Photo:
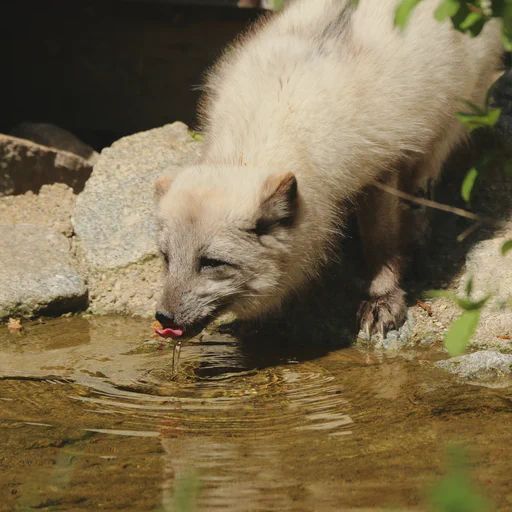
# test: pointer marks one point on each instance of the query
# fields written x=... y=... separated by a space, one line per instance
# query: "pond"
x=94 y=416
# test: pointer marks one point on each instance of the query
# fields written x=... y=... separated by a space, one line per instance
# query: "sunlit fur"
x=337 y=96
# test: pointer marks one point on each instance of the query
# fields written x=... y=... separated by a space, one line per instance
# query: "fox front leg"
x=380 y=223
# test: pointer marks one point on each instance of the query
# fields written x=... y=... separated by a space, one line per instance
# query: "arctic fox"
x=313 y=106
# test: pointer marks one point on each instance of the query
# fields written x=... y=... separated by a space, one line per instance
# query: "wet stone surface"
x=485 y=366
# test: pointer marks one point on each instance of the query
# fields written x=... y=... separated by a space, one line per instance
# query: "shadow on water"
x=92 y=416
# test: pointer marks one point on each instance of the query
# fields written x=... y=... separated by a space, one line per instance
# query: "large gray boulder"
x=36 y=275
x=114 y=218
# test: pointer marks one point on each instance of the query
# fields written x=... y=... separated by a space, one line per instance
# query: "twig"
x=439 y=206
x=468 y=231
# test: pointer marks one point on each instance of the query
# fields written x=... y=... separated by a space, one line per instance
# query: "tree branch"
x=439 y=206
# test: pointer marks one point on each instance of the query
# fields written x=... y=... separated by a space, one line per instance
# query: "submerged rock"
x=114 y=218
x=36 y=275
x=485 y=365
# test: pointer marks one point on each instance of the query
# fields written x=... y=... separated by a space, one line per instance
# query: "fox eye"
x=262 y=228
x=205 y=262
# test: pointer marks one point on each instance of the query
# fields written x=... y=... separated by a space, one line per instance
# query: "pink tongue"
x=169 y=333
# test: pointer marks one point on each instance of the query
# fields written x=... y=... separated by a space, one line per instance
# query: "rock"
x=114 y=218
x=492 y=274
x=36 y=275
x=52 y=207
x=56 y=137
x=26 y=166
x=483 y=366
x=479 y=257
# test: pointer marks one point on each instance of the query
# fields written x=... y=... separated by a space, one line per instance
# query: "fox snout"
x=169 y=328
x=166 y=319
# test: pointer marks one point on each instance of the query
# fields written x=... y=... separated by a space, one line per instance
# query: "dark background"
x=107 y=68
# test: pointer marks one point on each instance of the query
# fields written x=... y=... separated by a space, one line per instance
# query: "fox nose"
x=165 y=318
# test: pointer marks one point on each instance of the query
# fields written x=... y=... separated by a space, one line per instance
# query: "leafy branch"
x=469 y=17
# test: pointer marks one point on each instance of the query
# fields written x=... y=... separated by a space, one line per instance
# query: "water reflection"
x=88 y=406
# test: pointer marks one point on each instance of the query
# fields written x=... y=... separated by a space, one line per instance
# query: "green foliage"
x=186 y=493
x=455 y=493
x=457 y=338
x=468 y=184
x=277 y=5
x=403 y=11
x=503 y=9
x=469 y=286
x=507 y=246
x=479 y=118
x=460 y=332
x=468 y=16
x=195 y=135
x=439 y=294
x=447 y=9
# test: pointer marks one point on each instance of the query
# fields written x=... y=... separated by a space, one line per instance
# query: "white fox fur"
x=339 y=97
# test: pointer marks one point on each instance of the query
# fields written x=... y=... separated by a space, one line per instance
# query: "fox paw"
x=378 y=315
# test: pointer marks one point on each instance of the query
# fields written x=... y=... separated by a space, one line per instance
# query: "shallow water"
x=93 y=417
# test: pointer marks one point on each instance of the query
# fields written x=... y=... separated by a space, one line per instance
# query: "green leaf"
x=433 y=294
x=473 y=121
x=459 y=17
x=472 y=18
x=474 y=23
x=187 y=488
x=456 y=492
x=403 y=11
x=469 y=286
x=468 y=183
x=469 y=305
x=460 y=332
x=447 y=9
x=195 y=135
x=507 y=246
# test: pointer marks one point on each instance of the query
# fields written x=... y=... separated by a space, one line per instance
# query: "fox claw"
x=378 y=315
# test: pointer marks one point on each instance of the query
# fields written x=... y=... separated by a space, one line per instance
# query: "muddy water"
x=92 y=418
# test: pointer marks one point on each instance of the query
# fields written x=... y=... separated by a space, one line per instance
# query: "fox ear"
x=162 y=185
x=279 y=199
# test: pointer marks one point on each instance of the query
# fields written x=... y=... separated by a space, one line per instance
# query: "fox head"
x=226 y=239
